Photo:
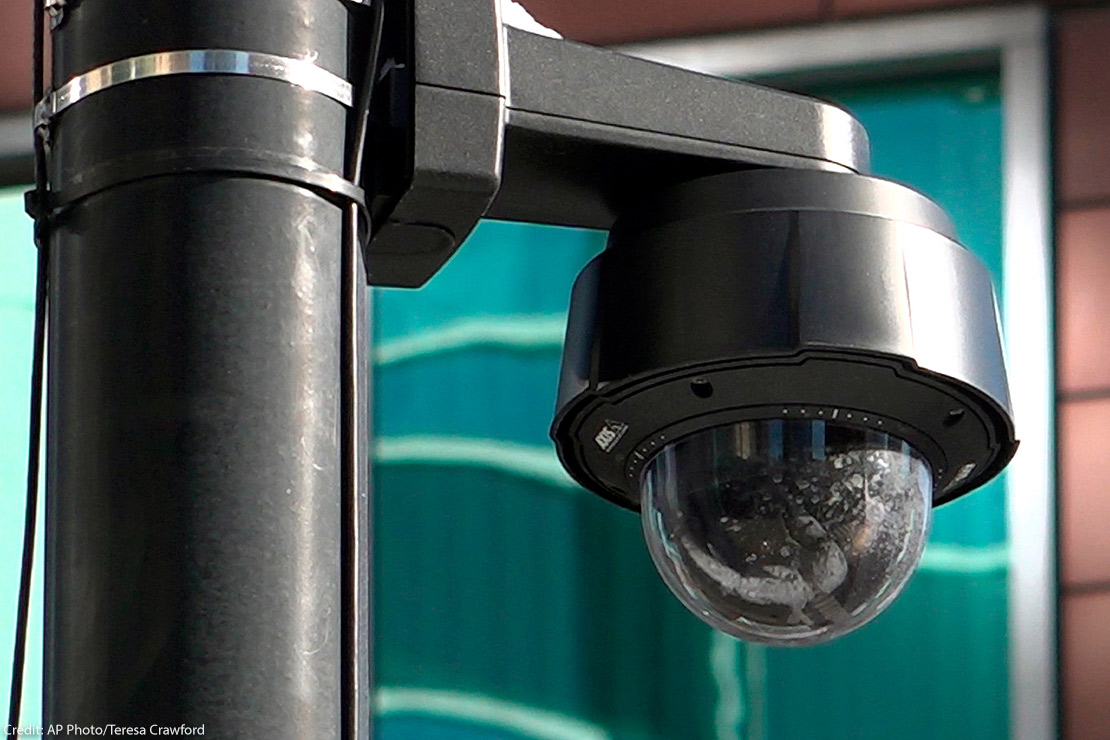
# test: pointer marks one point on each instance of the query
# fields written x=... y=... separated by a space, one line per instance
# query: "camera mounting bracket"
x=486 y=120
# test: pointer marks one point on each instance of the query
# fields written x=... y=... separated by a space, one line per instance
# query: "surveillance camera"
x=785 y=371
x=783 y=368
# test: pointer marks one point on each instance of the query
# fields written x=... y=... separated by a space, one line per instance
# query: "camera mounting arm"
x=498 y=122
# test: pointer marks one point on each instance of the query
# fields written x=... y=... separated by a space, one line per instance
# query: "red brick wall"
x=15 y=55
x=616 y=21
x=1083 y=330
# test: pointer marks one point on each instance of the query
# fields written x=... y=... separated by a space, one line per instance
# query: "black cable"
x=355 y=672
x=362 y=127
x=34 y=435
x=31 y=512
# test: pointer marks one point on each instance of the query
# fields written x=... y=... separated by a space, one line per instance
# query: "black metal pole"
x=193 y=524
x=194 y=521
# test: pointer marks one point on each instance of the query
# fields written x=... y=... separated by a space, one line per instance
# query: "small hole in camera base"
x=954 y=417
x=701 y=388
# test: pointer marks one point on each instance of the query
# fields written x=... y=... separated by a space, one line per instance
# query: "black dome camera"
x=785 y=371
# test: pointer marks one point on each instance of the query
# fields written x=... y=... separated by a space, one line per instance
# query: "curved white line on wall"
x=525 y=721
x=527 y=461
x=724 y=662
x=968 y=559
x=520 y=332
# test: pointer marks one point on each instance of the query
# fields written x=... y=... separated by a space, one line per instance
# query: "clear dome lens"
x=787 y=532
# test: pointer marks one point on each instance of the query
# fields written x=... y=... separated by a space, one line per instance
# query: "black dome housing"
x=783 y=294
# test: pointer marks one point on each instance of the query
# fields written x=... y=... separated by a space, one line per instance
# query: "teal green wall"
x=17 y=302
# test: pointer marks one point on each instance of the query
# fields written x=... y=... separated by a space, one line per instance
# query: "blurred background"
x=511 y=604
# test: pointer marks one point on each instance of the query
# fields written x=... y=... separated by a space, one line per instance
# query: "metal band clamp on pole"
x=300 y=72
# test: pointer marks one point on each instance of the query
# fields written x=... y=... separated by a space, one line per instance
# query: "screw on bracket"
x=44 y=116
x=56 y=10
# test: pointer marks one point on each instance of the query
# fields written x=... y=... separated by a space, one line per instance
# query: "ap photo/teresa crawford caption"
x=69 y=731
